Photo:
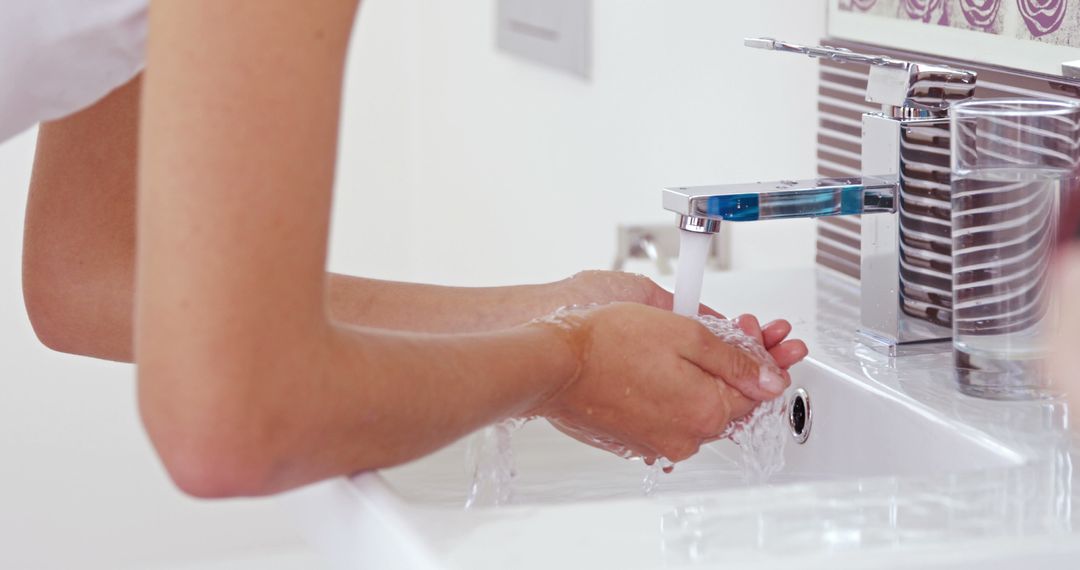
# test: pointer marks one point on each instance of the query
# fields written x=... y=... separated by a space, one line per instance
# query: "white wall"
x=458 y=164
x=466 y=165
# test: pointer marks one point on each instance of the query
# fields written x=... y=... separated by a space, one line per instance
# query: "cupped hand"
x=653 y=384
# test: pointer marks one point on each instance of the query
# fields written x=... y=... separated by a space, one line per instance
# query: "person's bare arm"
x=437 y=309
x=79 y=238
x=246 y=386
x=79 y=253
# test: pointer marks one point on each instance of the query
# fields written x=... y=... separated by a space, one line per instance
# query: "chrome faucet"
x=906 y=252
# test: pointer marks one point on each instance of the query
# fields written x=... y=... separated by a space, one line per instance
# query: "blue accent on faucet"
x=736 y=208
x=802 y=203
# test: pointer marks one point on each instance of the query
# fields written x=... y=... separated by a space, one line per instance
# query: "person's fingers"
x=724 y=433
x=607 y=444
x=740 y=406
x=775 y=332
x=737 y=368
x=650 y=461
x=750 y=325
x=789 y=352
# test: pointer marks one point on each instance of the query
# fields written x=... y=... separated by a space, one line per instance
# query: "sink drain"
x=799 y=415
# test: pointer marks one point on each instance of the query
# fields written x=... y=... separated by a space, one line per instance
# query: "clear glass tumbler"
x=1014 y=163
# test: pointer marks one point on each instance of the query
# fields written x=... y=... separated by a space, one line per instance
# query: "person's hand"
x=603 y=287
x=785 y=354
x=773 y=336
x=654 y=384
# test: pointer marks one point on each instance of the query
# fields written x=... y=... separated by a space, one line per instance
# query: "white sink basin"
x=858 y=431
x=899 y=471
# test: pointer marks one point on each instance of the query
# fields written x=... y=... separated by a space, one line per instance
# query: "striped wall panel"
x=841 y=104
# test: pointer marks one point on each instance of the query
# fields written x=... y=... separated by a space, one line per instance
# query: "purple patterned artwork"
x=1042 y=16
x=1049 y=21
x=981 y=14
x=860 y=5
x=921 y=9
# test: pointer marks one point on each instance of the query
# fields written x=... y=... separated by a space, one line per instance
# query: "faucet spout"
x=782 y=199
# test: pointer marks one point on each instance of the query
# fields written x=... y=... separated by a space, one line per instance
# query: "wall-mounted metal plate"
x=551 y=32
x=659 y=244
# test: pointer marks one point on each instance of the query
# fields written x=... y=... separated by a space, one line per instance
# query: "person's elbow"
x=203 y=472
x=48 y=308
x=47 y=319
x=85 y=317
x=213 y=442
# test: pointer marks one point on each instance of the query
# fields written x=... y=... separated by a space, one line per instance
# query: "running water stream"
x=693 y=252
x=760 y=435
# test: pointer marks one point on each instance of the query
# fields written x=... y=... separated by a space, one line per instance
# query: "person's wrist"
x=560 y=336
x=569 y=292
x=603 y=287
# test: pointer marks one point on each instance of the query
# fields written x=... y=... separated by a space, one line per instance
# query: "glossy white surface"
x=900 y=471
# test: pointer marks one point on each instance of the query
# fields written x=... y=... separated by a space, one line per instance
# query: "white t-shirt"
x=60 y=56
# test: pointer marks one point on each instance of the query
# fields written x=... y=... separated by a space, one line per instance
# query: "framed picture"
x=1032 y=35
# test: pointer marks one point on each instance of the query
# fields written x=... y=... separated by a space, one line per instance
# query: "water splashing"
x=762 y=434
x=491 y=459
x=651 y=480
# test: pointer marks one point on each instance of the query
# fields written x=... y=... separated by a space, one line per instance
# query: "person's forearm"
x=438 y=309
x=79 y=251
x=94 y=317
x=347 y=400
x=79 y=236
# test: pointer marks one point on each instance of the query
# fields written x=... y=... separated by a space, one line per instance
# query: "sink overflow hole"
x=799 y=415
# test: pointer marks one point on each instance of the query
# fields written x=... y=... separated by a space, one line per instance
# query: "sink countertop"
x=987 y=519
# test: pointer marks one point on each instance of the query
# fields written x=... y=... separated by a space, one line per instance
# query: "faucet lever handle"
x=839 y=55
x=905 y=89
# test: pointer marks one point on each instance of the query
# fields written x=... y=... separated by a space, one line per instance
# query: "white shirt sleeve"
x=60 y=56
